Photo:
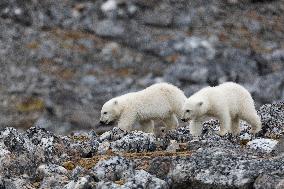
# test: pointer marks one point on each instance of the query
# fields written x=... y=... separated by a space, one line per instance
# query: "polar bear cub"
x=161 y=101
x=228 y=102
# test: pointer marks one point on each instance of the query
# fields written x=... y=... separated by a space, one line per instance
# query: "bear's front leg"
x=196 y=127
x=171 y=122
x=126 y=122
x=225 y=123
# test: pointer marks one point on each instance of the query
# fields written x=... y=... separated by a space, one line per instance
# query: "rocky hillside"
x=61 y=60
x=37 y=158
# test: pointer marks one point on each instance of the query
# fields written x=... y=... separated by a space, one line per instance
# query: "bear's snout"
x=102 y=122
x=184 y=120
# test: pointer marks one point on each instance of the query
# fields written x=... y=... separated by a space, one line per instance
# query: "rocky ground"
x=38 y=158
x=61 y=60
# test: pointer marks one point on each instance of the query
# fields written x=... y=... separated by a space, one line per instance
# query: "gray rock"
x=136 y=141
x=279 y=148
x=77 y=172
x=15 y=142
x=107 y=185
x=253 y=25
x=103 y=147
x=50 y=170
x=272 y=117
x=112 y=135
x=181 y=134
x=173 y=146
x=262 y=144
x=190 y=74
x=220 y=168
x=55 y=182
x=140 y=179
x=277 y=55
x=109 y=28
x=16 y=11
x=89 y=80
x=145 y=180
x=83 y=148
x=269 y=87
x=199 y=49
x=81 y=183
x=51 y=176
x=47 y=145
x=113 y=169
x=160 y=167
x=16 y=183
x=162 y=15
x=238 y=66
x=269 y=181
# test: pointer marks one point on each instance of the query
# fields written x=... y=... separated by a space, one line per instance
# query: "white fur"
x=161 y=101
x=228 y=102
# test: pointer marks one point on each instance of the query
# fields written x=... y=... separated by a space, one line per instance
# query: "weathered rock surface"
x=269 y=181
x=38 y=158
x=135 y=142
x=220 y=168
x=272 y=118
x=114 y=169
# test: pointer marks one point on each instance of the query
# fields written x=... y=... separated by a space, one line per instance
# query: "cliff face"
x=61 y=60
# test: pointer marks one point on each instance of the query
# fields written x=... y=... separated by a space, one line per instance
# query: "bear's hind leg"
x=254 y=120
x=236 y=126
x=147 y=126
x=171 y=122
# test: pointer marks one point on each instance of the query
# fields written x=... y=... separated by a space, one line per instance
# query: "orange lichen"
x=119 y=182
x=144 y=157
x=172 y=58
x=69 y=165
x=33 y=45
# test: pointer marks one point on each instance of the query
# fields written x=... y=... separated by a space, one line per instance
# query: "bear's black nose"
x=102 y=122
x=183 y=120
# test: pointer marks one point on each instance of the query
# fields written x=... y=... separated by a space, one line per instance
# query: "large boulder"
x=220 y=168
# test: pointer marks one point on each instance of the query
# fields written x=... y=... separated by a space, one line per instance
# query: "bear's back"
x=233 y=89
x=234 y=94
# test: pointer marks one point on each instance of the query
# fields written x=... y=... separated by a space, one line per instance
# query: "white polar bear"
x=161 y=101
x=228 y=102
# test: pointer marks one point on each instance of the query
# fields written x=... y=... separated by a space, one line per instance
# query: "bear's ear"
x=200 y=103
x=115 y=102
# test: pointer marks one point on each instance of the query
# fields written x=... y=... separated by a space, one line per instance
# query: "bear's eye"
x=105 y=113
x=187 y=111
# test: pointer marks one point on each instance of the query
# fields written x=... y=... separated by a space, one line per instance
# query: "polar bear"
x=229 y=103
x=161 y=101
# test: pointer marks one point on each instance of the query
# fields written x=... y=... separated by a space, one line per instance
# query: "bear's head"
x=193 y=108
x=110 y=112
